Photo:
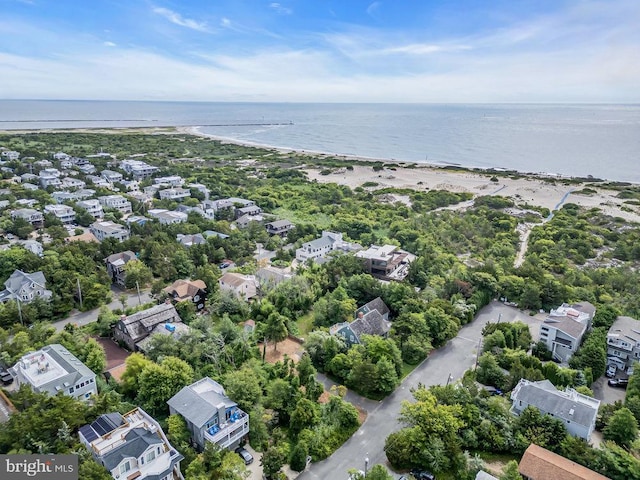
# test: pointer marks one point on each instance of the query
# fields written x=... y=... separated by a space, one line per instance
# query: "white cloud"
x=422 y=49
x=109 y=44
x=280 y=9
x=178 y=19
x=373 y=8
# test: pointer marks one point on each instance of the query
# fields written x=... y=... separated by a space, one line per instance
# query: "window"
x=71 y=390
x=150 y=455
x=124 y=467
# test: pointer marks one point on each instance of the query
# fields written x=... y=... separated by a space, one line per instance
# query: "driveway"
x=453 y=359
x=83 y=318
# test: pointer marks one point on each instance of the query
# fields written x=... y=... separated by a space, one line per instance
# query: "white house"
x=54 y=369
x=623 y=343
x=63 y=213
x=167 y=217
x=139 y=169
x=563 y=329
x=131 y=446
x=103 y=230
x=92 y=206
x=111 y=176
x=34 y=217
x=116 y=201
x=172 y=181
x=318 y=248
x=243 y=286
x=174 y=193
x=386 y=262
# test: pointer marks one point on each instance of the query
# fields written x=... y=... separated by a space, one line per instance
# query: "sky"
x=426 y=51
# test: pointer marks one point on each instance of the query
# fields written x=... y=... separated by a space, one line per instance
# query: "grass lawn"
x=406 y=369
x=305 y=324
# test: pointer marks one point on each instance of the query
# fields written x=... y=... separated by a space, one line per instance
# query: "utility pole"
x=138 y=288
x=79 y=292
x=478 y=351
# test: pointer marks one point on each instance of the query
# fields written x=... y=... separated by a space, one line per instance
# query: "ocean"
x=602 y=141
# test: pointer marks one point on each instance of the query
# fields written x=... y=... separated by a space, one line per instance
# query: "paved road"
x=458 y=355
x=83 y=318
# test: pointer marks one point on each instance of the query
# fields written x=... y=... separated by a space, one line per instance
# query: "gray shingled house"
x=25 y=287
x=371 y=319
x=134 y=328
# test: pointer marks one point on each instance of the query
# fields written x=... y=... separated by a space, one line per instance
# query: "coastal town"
x=311 y=316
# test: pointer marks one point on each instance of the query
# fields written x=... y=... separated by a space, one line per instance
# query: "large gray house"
x=371 y=319
x=623 y=343
x=133 y=329
x=563 y=329
x=25 y=287
x=578 y=412
x=211 y=416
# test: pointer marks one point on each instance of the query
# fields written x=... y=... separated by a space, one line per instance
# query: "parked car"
x=618 y=382
x=422 y=475
x=611 y=371
x=245 y=455
x=6 y=378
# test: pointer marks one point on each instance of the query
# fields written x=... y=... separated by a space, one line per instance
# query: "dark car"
x=618 y=382
x=246 y=456
x=422 y=475
x=6 y=378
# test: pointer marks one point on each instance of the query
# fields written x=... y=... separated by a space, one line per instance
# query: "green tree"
x=305 y=414
x=276 y=329
x=272 y=461
x=158 y=383
x=137 y=273
x=94 y=356
x=134 y=366
x=622 y=428
x=298 y=459
x=244 y=386
x=378 y=472
x=510 y=471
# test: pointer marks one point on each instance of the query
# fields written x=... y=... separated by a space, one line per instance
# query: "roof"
x=482 y=475
x=371 y=323
x=627 y=327
x=198 y=402
x=375 y=304
x=137 y=441
x=322 y=242
x=85 y=237
x=539 y=463
x=118 y=259
x=279 y=224
x=19 y=279
x=568 y=405
x=234 y=279
x=567 y=325
x=184 y=289
x=139 y=324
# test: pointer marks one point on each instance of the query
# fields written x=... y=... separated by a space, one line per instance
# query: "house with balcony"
x=115 y=266
x=242 y=286
x=29 y=178
x=167 y=217
x=250 y=210
x=386 y=262
x=623 y=344
x=111 y=176
x=138 y=169
x=54 y=369
x=69 y=182
x=576 y=411
x=135 y=328
x=87 y=168
x=50 y=177
x=211 y=416
x=34 y=217
x=172 y=181
x=279 y=227
x=117 y=202
x=564 y=327
x=25 y=287
x=98 y=181
x=174 y=194
x=33 y=246
x=63 y=213
x=105 y=229
x=10 y=155
x=61 y=156
x=131 y=446
x=92 y=206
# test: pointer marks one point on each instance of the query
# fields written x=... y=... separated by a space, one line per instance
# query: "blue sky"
x=322 y=50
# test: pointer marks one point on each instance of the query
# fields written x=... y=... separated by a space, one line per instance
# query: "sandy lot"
x=287 y=347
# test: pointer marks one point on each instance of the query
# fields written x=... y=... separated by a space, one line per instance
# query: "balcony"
x=226 y=434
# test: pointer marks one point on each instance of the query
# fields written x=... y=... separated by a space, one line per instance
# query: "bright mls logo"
x=39 y=467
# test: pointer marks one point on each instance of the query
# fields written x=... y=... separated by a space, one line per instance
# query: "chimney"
x=360 y=315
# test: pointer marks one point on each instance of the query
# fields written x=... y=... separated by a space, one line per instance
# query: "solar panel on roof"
x=88 y=433
x=102 y=425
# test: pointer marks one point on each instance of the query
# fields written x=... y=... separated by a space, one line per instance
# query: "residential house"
x=105 y=229
x=86 y=237
x=115 y=266
x=174 y=193
x=211 y=416
x=29 y=178
x=279 y=227
x=272 y=276
x=61 y=156
x=63 y=213
x=369 y=321
x=538 y=463
x=251 y=210
x=131 y=446
x=138 y=169
x=190 y=240
x=84 y=193
x=201 y=188
x=172 y=181
x=151 y=190
x=116 y=201
x=111 y=176
x=141 y=197
x=50 y=177
x=212 y=233
x=30 y=187
x=318 y=248
x=188 y=290
x=623 y=343
x=205 y=213
x=245 y=220
x=220 y=204
x=563 y=329
x=92 y=206
x=69 y=182
x=66 y=164
x=26 y=202
x=243 y=286
x=44 y=163
x=34 y=217
x=33 y=246
x=98 y=181
x=482 y=475
x=576 y=411
x=386 y=262
x=131 y=185
x=167 y=217
x=25 y=287
x=10 y=155
x=53 y=369
x=131 y=329
x=136 y=219
x=87 y=168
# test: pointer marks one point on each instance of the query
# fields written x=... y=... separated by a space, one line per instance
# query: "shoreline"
x=524 y=188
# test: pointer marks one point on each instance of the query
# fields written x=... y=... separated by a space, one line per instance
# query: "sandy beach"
x=525 y=190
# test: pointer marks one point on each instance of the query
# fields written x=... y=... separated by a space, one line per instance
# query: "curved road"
x=458 y=355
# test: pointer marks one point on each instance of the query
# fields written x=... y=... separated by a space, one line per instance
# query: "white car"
x=611 y=371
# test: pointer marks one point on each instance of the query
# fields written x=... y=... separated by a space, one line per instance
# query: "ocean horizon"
x=578 y=140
